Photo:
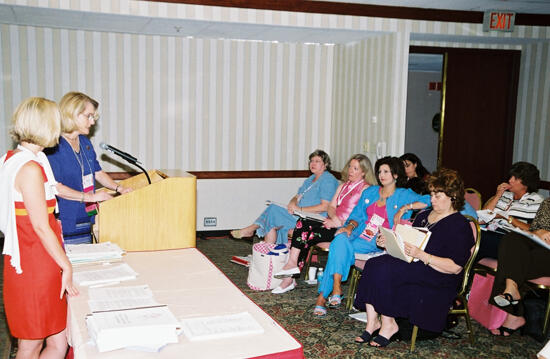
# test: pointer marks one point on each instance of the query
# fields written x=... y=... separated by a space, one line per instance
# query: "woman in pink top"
x=356 y=176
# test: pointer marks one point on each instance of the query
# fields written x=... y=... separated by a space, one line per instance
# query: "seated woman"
x=356 y=175
x=313 y=196
x=417 y=174
x=381 y=205
x=520 y=259
x=518 y=199
x=423 y=290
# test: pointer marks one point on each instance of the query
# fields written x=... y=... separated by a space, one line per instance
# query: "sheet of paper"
x=141 y=291
x=98 y=276
x=223 y=326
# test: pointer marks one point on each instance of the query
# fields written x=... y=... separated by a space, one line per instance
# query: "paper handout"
x=100 y=276
x=220 y=326
x=417 y=236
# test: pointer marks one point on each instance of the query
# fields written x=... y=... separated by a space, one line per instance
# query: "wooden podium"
x=160 y=215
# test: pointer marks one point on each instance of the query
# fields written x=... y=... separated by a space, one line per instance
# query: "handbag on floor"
x=488 y=315
x=267 y=259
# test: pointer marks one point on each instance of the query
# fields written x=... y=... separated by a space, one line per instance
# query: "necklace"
x=80 y=157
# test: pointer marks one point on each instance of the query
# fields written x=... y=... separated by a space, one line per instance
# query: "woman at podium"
x=37 y=273
x=75 y=166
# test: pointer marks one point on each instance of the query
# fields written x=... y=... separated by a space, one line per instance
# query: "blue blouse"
x=66 y=169
x=401 y=197
x=314 y=192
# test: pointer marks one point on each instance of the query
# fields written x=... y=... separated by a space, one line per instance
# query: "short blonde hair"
x=71 y=105
x=38 y=121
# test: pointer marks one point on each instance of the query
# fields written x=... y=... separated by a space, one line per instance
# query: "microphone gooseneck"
x=126 y=156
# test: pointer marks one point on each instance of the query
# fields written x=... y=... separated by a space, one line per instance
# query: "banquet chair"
x=463 y=289
x=473 y=197
x=315 y=250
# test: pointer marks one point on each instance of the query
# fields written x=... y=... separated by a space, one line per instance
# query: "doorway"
x=479 y=95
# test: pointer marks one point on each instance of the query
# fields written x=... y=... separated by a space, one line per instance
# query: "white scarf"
x=8 y=172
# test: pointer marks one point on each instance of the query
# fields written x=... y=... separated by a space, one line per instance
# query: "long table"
x=191 y=286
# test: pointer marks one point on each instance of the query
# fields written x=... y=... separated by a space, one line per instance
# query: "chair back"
x=473 y=197
x=467 y=268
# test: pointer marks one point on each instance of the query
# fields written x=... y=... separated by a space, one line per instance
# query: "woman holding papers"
x=76 y=169
x=422 y=290
x=37 y=272
x=381 y=205
x=516 y=202
x=356 y=176
x=313 y=196
x=520 y=259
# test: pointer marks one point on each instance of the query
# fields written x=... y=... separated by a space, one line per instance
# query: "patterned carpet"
x=332 y=336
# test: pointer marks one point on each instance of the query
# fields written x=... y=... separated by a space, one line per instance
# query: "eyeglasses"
x=91 y=116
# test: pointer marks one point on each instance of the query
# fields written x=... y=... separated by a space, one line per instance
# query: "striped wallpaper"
x=196 y=104
x=210 y=104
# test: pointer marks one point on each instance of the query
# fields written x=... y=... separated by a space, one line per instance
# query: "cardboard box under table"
x=191 y=286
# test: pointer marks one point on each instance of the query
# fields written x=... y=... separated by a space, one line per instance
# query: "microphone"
x=128 y=157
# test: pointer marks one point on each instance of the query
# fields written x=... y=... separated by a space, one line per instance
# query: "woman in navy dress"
x=76 y=169
x=423 y=290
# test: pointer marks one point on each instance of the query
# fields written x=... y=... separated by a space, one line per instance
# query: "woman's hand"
x=501 y=188
x=99 y=196
x=399 y=214
x=332 y=223
x=291 y=207
x=543 y=234
x=347 y=229
x=120 y=189
x=67 y=283
x=413 y=251
x=381 y=240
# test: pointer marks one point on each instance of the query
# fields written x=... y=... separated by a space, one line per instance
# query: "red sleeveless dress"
x=31 y=299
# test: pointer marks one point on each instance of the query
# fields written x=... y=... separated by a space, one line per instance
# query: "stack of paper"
x=90 y=253
x=144 y=328
x=103 y=276
x=221 y=326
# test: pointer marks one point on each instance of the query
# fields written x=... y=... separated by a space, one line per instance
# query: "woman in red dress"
x=37 y=273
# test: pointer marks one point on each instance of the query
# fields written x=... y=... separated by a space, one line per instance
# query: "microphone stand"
x=143 y=169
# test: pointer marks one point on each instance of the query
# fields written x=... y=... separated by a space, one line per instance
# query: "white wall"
x=422 y=105
x=236 y=203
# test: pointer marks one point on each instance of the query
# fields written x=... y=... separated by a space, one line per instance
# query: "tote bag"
x=267 y=259
x=488 y=315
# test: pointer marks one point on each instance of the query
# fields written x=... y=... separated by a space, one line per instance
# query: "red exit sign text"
x=499 y=20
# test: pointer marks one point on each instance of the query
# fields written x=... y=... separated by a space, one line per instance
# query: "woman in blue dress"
x=381 y=205
x=421 y=291
x=75 y=167
x=313 y=196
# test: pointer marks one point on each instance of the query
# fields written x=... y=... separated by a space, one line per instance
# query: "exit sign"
x=499 y=20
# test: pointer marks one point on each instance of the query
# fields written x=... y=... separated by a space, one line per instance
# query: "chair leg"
x=353 y=279
x=546 y=316
x=413 y=338
x=469 y=324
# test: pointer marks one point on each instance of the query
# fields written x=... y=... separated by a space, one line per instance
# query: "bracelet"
x=82 y=197
x=429 y=259
x=510 y=219
x=116 y=189
x=353 y=225
x=410 y=206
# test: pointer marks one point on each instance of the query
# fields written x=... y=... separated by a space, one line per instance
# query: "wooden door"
x=480 y=95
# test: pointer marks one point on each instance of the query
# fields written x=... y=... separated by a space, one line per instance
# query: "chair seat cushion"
x=489 y=262
x=541 y=281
